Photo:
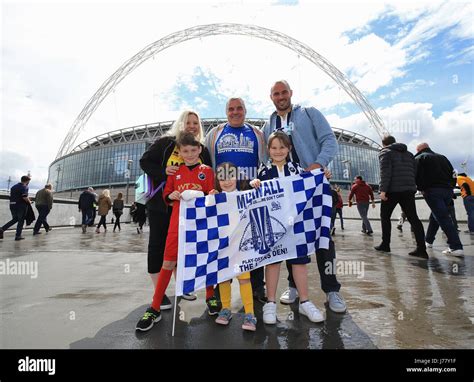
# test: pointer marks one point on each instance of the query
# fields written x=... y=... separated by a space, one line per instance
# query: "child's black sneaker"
x=214 y=306
x=148 y=320
x=166 y=303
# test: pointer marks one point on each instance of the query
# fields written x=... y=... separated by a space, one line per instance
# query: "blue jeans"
x=43 y=212
x=87 y=216
x=438 y=199
x=18 y=212
x=469 y=206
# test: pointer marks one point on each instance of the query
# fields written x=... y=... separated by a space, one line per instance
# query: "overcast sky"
x=412 y=60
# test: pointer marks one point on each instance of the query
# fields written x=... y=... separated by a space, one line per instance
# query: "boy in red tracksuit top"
x=363 y=194
x=191 y=176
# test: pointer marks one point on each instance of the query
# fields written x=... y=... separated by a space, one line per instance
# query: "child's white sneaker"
x=269 y=313
x=309 y=310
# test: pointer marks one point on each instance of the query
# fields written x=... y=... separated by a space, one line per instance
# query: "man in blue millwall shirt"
x=314 y=146
x=243 y=145
x=236 y=141
x=19 y=203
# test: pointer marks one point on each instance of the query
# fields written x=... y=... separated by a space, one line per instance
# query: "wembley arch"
x=201 y=31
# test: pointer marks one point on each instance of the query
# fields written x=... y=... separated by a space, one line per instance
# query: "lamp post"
x=127 y=176
x=111 y=163
x=57 y=179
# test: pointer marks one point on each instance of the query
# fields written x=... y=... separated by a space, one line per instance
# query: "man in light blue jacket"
x=314 y=146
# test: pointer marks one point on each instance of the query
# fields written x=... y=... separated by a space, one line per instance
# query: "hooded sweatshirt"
x=362 y=191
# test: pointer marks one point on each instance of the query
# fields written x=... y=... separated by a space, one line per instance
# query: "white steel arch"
x=212 y=30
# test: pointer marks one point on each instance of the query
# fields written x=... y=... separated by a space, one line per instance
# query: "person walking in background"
x=398 y=186
x=452 y=213
x=133 y=211
x=94 y=209
x=434 y=178
x=105 y=204
x=335 y=200
x=401 y=220
x=19 y=203
x=44 y=204
x=86 y=207
x=140 y=216
x=466 y=185
x=117 y=209
x=339 y=207
x=363 y=194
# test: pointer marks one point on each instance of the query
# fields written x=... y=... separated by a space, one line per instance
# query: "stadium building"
x=111 y=160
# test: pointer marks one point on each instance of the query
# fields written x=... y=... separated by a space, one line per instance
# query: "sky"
x=413 y=62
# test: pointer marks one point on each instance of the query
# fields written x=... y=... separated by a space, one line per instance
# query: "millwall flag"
x=224 y=235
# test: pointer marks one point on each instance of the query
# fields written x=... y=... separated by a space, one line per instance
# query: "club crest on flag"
x=262 y=232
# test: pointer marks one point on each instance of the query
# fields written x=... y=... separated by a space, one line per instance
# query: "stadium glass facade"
x=105 y=161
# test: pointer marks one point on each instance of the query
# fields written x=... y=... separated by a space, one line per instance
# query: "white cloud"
x=465 y=56
x=407 y=86
x=450 y=134
x=437 y=17
x=465 y=103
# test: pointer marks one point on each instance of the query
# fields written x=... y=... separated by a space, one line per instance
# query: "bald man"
x=314 y=145
x=435 y=178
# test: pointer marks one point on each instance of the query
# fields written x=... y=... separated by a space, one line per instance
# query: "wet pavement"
x=91 y=289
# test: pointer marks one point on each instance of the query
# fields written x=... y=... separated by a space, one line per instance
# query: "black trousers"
x=257 y=279
x=102 y=221
x=117 y=219
x=406 y=200
x=329 y=281
x=158 y=222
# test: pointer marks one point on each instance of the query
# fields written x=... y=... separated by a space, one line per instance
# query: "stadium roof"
x=151 y=132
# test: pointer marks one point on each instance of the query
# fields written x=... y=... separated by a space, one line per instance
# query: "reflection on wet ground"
x=91 y=289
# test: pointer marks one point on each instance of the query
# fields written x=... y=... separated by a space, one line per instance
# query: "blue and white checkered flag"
x=224 y=235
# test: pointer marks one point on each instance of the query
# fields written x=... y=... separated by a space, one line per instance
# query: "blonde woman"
x=158 y=162
x=105 y=204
